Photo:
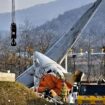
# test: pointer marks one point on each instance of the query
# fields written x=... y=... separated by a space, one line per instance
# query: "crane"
x=13 y=25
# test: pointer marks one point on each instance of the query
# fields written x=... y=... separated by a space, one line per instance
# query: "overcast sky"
x=5 y=5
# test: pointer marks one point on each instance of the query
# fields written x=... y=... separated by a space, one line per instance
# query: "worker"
x=71 y=100
x=75 y=91
x=64 y=92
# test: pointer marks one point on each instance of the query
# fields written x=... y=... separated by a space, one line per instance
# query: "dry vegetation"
x=17 y=94
x=18 y=59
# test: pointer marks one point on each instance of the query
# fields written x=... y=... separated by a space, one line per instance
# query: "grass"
x=12 y=93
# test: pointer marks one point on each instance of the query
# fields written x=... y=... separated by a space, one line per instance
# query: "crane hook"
x=13 y=43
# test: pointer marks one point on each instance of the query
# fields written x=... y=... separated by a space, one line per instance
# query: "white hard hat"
x=75 y=83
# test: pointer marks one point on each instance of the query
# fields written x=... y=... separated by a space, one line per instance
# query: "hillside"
x=17 y=94
x=42 y=13
x=62 y=24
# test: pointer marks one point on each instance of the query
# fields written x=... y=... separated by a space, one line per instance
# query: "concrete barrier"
x=7 y=76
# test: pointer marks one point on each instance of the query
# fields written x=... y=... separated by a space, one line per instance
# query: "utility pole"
x=74 y=57
x=89 y=58
x=104 y=60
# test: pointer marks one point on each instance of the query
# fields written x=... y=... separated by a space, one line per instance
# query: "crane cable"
x=13 y=25
x=13 y=11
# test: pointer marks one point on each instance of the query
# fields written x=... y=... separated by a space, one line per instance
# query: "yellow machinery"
x=91 y=100
x=91 y=94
